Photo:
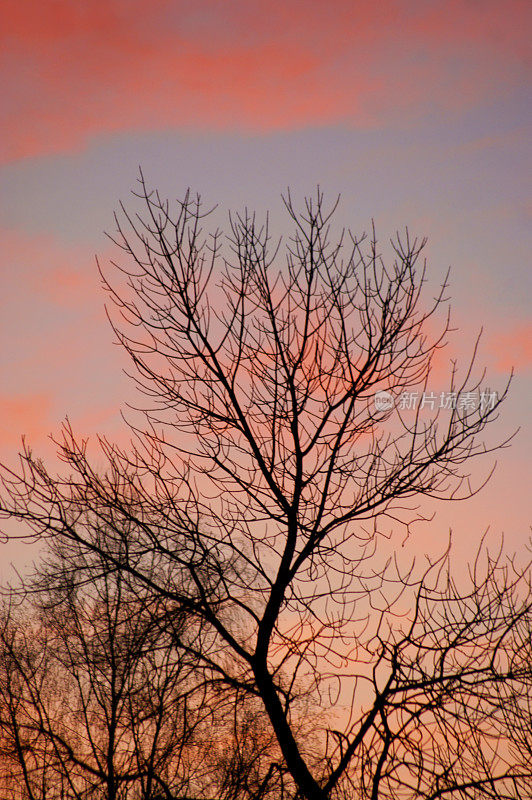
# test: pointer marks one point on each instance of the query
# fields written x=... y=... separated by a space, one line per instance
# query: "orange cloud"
x=513 y=349
x=76 y=70
x=32 y=416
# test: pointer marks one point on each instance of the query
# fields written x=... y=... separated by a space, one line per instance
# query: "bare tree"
x=450 y=687
x=98 y=700
x=260 y=479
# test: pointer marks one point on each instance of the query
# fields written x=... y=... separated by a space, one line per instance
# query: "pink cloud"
x=24 y=415
x=56 y=357
x=40 y=266
x=500 y=27
x=77 y=70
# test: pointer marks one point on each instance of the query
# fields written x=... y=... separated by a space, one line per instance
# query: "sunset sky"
x=415 y=111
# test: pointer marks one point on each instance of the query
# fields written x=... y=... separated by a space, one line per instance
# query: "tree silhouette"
x=259 y=481
x=96 y=699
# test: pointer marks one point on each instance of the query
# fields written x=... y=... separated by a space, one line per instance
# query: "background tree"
x=257 y=486
x=98 y=700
